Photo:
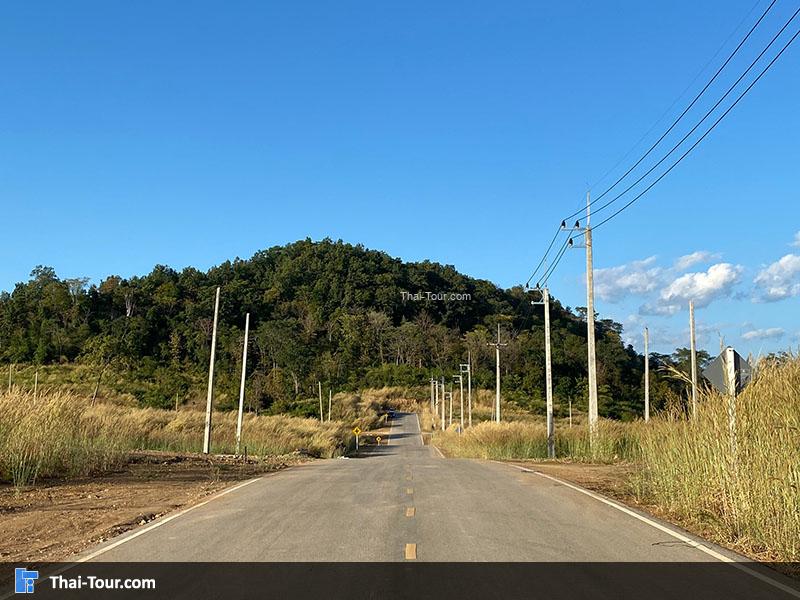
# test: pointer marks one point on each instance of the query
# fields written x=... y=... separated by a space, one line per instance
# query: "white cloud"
x=703 y=287
x=659 y=310
x=779 y=280
x=636 y=278
x=796 y=242
x=772 y=333
x=689 y=260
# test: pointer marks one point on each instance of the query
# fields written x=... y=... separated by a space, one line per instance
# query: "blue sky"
x=187 y=134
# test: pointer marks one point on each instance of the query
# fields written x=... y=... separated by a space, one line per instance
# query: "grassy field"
x=59 y=433
x=745 y=492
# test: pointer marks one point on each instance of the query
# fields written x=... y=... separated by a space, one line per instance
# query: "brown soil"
x=56 y=519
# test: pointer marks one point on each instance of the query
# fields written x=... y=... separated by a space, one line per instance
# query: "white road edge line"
x=419 y=427
x=164 y=521
x=677 y=535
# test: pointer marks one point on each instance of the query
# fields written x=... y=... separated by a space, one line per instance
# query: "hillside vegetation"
x=325 y=311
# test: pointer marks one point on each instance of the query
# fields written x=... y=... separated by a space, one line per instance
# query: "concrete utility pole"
x=468 y=369
x=241 y=385
x=730 y=369
x=646 y=376
x=321 y=414
x=450 y=421
x=497 y=345
x=693 y=345
x=435 y=388
x=551 y=430
x=330 y=403
x=592 y=358
x=432 y=399
x=442 y=402
x=460 y=398
x=210 y=395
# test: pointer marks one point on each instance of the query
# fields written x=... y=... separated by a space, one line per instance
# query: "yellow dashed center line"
x=409 y=491
x=410 y=511
x=411 y=552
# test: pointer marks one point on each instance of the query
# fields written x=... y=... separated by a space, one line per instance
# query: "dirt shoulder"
x=56 y=519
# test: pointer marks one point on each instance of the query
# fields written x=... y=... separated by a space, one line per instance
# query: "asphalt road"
x=404 y=502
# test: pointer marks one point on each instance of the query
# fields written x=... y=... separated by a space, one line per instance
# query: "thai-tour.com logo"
x=24 y=580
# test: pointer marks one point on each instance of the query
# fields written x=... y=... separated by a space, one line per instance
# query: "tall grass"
x=519 y=440
x=745 y=494
x=63 y=434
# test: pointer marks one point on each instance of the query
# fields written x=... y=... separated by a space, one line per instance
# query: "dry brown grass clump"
x=747 y=492
x=63 y=434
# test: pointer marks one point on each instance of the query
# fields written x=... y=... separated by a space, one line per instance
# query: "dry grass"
x=746 y=495
x=519 y=440
x=62 y=434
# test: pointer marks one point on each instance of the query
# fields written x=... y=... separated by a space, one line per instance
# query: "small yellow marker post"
x=411 y=552
x=356 y=431
x=378 y=439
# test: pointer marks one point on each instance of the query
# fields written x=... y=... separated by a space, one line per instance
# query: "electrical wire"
x=693 y=146
x=680 y=117
x=710 y=111
x=672 y=126
x=674 y=102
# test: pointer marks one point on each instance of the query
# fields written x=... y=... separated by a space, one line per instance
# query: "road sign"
x=717 y=374
x=378 y=439
x=357 y=430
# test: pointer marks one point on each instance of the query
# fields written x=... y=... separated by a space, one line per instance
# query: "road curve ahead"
x=404 y=502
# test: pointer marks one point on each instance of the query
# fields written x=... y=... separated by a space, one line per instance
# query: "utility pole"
x=646 y=376
x=467 y=368
x=35 y=385
x=432 y=400
x=497 y=345
x=570 y=414
x=591 y=352
x=551 y=431
x=460 y=398
x=241 y=385
x=693 y=345
x=321 y=414
x=590 y=324
x=443 y=399
x=330 y=403
x=210 y=395
x=730 y=371
x=450 y=421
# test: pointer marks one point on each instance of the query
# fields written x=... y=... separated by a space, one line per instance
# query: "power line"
x=672 y=126
x=677 y=99
x=693 y=146
x=686 y=110
x=710 y=111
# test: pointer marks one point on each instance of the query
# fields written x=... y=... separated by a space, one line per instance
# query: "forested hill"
x=326 y=311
